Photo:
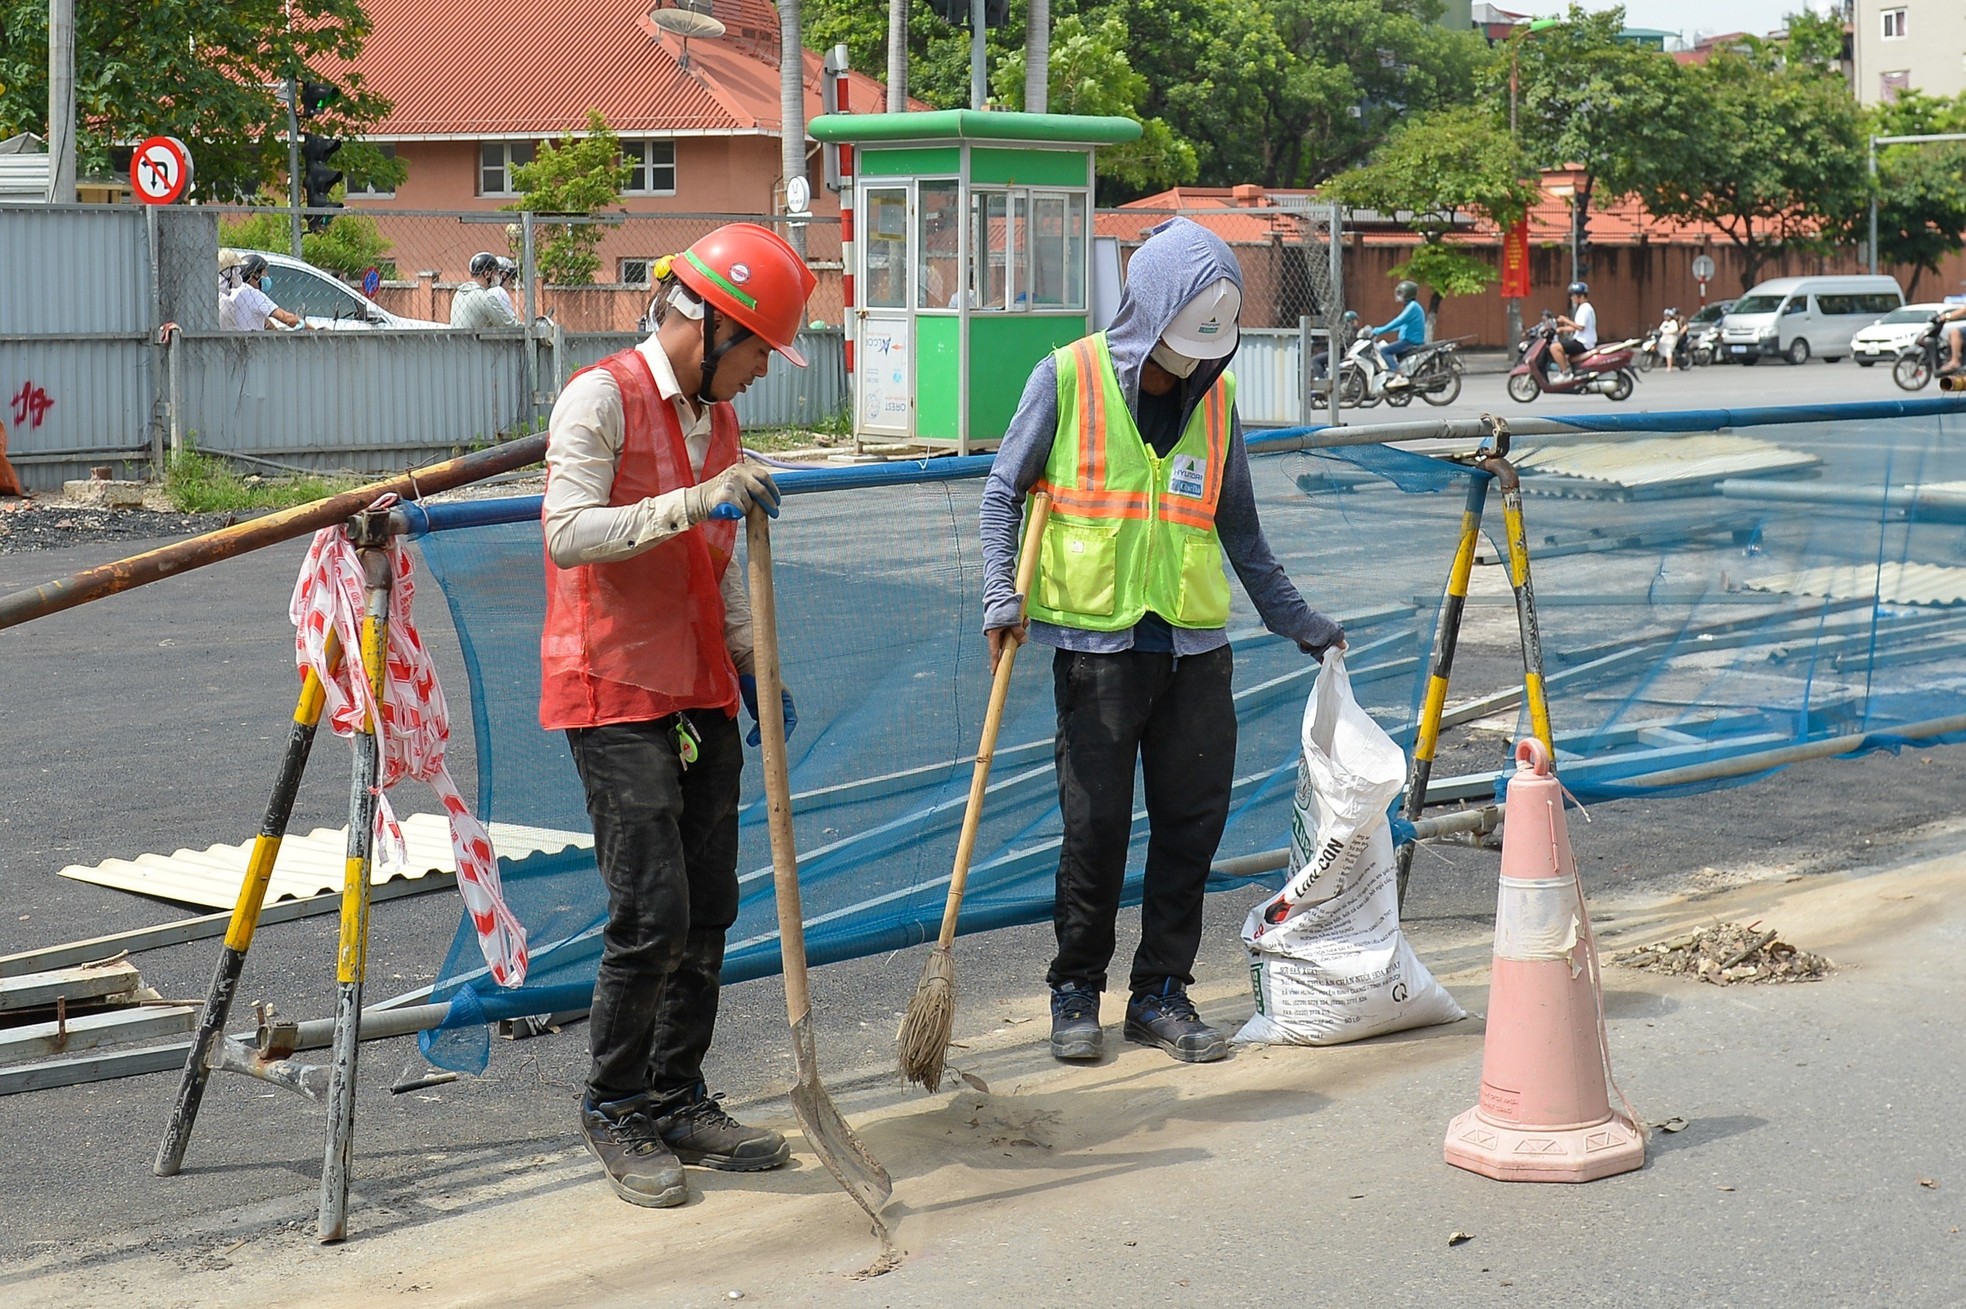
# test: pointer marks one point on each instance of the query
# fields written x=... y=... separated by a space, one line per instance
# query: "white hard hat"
x=1206 y=326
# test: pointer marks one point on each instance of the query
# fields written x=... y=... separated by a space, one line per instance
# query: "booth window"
x=989 y=213
x=1055 y=277
x=887 y=248
x=938 y=276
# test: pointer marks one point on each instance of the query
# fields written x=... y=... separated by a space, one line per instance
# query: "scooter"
x=1918 y=363
x=1604 y=370
x=1649 y=355
x=1364 y=379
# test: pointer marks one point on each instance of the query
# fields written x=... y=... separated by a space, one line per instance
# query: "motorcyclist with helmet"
x=1411 y=325
x=1576 y=332
x=483 y=303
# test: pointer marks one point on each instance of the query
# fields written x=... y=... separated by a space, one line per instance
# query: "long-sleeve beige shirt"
x=584 y=440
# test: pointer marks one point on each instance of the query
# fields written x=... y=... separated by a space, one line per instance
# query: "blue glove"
x=747 y=686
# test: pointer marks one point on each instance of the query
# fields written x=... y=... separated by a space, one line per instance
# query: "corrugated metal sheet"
x=786 y=397
x=83 y=268
x=1663 y=465
x=361 y=400
x=69 y=403
x=1269 y=369
x=24 y=178
x=308 y=864
x=1936 y=585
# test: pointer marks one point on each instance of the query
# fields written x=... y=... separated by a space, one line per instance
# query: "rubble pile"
x=1724 y=953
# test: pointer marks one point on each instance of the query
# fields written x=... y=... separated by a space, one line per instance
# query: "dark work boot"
x=639 y=1166
x=696 y=1127
x=1075 y=1030
x=1166 y=1017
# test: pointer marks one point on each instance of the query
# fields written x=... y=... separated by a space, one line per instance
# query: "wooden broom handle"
x=979 y=781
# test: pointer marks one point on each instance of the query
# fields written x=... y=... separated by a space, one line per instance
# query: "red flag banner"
x=1515 y=262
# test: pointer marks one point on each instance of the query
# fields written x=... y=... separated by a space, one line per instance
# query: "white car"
x=1883 y=339
x=324 y=300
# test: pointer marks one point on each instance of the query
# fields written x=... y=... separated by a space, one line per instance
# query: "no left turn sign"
x=160 y=170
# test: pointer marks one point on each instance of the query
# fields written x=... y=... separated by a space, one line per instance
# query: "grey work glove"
x=1337 y=642
x=731 y=493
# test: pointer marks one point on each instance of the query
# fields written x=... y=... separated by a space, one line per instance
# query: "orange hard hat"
x=752 y=275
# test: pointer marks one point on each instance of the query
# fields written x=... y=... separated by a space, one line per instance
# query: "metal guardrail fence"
x=89 y=377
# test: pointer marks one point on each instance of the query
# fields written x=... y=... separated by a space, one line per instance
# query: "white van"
x=1795 y=317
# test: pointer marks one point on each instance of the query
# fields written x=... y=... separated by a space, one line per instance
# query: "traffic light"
x=314 y=97
x=995 y=12
x=318 y=180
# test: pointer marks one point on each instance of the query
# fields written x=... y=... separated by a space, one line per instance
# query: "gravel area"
x=57 y=524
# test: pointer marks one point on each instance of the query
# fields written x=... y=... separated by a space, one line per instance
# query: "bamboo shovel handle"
x=778 y=785
x=979 y=781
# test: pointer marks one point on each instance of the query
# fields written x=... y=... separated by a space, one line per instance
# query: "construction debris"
x=1725 y=953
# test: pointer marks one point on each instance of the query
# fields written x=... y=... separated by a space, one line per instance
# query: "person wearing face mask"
x=1133 y=432
x=645 y=657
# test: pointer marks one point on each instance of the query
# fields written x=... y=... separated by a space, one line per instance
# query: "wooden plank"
x=88 y=982
x=94 y=1068
x=37 y=1041
x=203 y=927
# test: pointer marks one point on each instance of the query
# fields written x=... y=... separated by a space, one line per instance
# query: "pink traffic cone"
x=1544 y=1113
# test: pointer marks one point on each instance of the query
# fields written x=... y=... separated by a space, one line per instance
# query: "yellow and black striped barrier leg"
x=352 y=955
x=245 y=918
x=1534 y=694
x=1447 y=633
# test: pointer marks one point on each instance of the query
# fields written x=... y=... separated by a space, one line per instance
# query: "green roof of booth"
x=972 y=125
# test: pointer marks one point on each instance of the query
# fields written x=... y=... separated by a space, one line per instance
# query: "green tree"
x=211 y=72
x=1091 y=74
x=1589 y=100
x=574 y=175
x=1920 y=188
x=1288 y=92
x=1434 y=174
x=1773 y=156
x=349 y=246
x=1280 y=92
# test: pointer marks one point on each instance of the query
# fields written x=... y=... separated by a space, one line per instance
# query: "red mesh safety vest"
x=642 y=638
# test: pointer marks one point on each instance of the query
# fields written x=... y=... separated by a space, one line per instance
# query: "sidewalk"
x=1284 y=1176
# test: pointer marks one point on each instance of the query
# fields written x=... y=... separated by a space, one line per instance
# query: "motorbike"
x=1433 y=372
x=1918 y=363
x=1604 y=370
x=1682 y=356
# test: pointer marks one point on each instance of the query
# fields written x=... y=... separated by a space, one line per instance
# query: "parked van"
x=1795 y=317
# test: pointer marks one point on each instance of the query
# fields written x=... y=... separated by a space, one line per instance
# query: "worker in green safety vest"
x=1133 y=432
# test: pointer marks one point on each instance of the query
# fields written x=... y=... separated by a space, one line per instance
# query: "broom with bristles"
x=924 y=1036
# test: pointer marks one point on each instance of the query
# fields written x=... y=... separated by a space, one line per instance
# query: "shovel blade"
x=857 y=1171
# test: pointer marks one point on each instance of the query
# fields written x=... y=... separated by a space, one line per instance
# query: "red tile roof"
x=1254 y=215
x=535 y=67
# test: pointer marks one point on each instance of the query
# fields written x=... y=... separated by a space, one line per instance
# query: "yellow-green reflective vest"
x=1130 y=531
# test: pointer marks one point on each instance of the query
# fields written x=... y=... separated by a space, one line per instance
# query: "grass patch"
x=206 y=484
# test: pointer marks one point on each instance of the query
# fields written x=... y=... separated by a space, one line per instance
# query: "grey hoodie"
x=1171 y=267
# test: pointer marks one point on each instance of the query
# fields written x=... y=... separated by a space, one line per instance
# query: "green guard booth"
x=971 y=256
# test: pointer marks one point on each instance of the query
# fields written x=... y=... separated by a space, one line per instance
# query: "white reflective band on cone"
x=1537 y=920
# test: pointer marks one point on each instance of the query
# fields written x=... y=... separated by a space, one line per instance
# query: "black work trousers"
x=665 y=837
x=1177 y=718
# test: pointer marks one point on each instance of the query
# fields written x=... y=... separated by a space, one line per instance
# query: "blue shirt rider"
x=1410 y=322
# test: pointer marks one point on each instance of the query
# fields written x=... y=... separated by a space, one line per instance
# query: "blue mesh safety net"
x=1713 y=605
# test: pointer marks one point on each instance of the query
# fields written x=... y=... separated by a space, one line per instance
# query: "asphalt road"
x=1716 y=386
x=153 y=720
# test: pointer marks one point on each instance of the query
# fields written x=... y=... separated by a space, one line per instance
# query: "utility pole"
x=1037 y=57
x=61 y=102
x=293 y=160
x=979 y=90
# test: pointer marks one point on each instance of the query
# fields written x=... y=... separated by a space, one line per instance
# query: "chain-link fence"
x=1293 y=294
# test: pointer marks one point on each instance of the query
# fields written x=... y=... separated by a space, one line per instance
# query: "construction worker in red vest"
x=645 y=656
x=1133 y=432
